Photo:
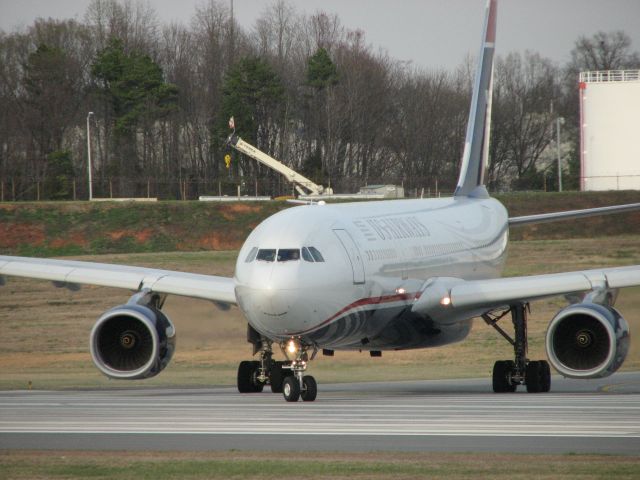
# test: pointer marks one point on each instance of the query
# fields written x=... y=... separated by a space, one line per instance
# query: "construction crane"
x=302 y=184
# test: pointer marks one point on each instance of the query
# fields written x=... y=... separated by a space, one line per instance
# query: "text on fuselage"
x=394 y=228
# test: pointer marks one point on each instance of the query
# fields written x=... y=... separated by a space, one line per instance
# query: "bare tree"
x=362 y=109
x=604 y=51
x=524 y=90
x=135 y=22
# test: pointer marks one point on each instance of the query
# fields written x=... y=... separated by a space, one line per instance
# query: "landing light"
x=445 y=301
x=401 y=291
x=292 y=347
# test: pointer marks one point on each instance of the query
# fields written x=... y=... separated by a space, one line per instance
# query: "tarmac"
x=577 y=416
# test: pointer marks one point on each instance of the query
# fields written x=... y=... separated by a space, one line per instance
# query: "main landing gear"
x=285 y=377
x=508 y=374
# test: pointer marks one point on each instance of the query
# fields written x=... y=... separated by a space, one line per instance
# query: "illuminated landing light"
x=445 y=301
x=292 y=347
x=322 y=202
x=401 y=291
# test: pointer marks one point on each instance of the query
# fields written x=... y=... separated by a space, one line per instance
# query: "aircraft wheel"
x=310 y=389
x=502 y=371
x=546 y=376
x=291 y=389
x=257 y=385
x=245 y=371
x=538 y=377
x=276 y=377
x=532 y=377
x=247 y=381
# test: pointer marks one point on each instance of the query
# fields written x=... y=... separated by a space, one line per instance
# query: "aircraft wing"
x=556 y=216
x=501 y=292
x=70 y=273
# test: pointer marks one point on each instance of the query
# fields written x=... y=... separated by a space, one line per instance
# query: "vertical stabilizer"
x=476 y=145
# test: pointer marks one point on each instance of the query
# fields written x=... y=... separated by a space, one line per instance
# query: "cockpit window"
x=317 y=256
x=252 y=255
x=266 y=254
x=288 y=254
x=306 y=255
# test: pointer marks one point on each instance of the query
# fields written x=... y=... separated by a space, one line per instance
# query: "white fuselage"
x=374 y=260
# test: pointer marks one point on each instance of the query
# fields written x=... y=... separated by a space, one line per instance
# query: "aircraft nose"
x=276 y=297
x=275 y=302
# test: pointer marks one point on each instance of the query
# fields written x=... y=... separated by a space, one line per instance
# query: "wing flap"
x=104 y=278
x=209 y=287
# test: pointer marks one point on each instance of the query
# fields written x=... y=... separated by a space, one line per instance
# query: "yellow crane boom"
x=302 y=184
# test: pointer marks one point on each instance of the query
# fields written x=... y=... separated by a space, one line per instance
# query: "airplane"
x=376 y=276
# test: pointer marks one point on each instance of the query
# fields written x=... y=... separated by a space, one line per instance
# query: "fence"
x=31 y=189
x=610 y=76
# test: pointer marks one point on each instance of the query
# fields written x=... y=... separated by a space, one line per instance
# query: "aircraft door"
x=357 y=265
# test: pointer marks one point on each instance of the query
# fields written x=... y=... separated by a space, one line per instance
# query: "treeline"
x=301 y=87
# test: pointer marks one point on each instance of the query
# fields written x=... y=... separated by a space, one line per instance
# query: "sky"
x=430 y=34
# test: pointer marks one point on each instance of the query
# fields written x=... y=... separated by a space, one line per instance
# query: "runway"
x=601 y=416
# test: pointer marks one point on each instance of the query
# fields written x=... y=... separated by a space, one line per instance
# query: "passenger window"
x=317 y=256
x=252 y=255
x=266 y=254
x=306 y=255
x=288 y=254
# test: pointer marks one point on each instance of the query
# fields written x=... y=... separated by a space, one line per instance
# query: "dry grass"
x=293 y=465
x=45 y=331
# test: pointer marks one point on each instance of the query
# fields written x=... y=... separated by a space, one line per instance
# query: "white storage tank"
x=610 y=130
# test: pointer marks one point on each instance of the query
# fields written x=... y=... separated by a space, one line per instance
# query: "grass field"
x=283 y=466
x=45 y=331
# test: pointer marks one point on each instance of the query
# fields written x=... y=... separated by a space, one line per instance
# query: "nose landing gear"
x=285 y=377
x=297 y=384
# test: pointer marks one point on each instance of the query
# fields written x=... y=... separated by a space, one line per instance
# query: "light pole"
x=559 y=121
x=89 y=154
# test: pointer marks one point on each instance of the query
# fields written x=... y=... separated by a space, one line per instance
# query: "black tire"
x=257 y=385
x=545 y=376
x=245 y=372
x=502 y=371
x=511 y=367
x=533 y=378
x=276 y=377
x=291 y=389
x=247 y=381
x=309 y=389
x=538 y=377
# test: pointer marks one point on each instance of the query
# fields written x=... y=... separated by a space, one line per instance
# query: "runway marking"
x=417 y=412
x=349 y=433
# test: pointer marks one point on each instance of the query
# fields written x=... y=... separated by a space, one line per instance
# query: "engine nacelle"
x=132 y=342
x=587 y=340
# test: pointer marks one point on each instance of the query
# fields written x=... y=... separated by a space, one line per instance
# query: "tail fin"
x=476 y=146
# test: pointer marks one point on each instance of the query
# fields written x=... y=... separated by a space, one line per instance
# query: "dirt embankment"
x=65 y=228
x=78 y=228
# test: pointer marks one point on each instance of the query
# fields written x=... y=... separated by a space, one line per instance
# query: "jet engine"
x=132 y=342
x=587 y=340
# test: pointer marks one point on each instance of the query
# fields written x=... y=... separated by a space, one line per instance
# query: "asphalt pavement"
x=595 y=416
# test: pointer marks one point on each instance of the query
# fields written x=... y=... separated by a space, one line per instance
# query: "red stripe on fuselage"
x=362 y=303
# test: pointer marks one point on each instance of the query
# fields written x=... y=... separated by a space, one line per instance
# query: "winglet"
x=476 y=146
